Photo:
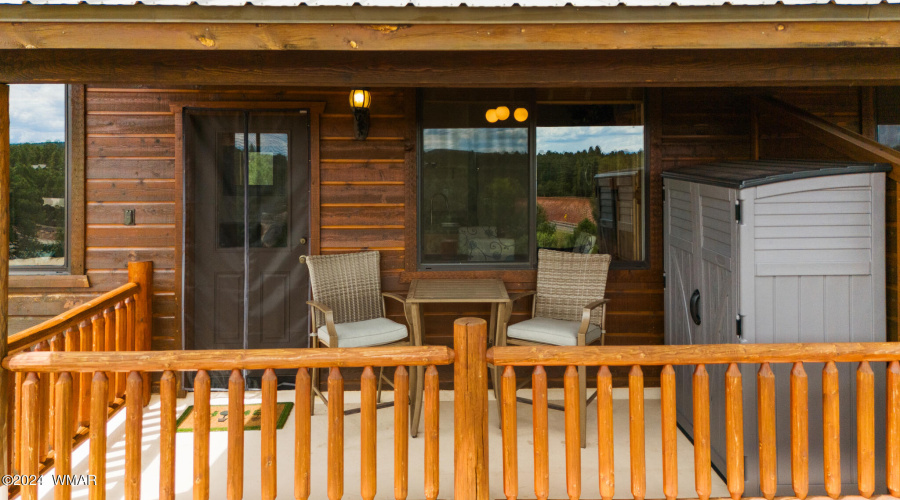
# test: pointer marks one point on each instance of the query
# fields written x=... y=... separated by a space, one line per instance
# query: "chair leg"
x=313 y=388
x=582 y=395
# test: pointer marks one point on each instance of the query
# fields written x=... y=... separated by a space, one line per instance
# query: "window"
x=39 y=195
x=888 y=116
x=502 y=174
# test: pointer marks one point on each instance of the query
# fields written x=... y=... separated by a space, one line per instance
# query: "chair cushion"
x=552 y=331
x=371 y=332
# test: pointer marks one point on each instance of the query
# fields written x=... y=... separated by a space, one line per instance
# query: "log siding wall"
x=367 y=190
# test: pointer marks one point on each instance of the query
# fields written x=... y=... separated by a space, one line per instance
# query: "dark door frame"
x=183 y=214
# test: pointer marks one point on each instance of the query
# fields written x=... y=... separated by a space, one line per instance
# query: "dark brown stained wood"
x=302 y=434
x=341 y=126
x=76 y=161
x=129 y=146
x=201 y=435
x=335 y=434
x=168 y=391
x=62 y=442
x=131 y=167
x=162 y=212
x=130 y=190
x=367 y=215
x=99 y=407
x=831 y=429
x=362 y=194
x=269 y=421
x=636 y=432
x=461 y=37
x=510 y=435
x=350 y=149
x=375 y=238
x=541 y=435
x=401 y=435
x=115 y=235
x=127 y=125
x=235 y=478
x=865 y=429
x=544 y=69
x=134 y=417
x=667 y=384
x=799 y=431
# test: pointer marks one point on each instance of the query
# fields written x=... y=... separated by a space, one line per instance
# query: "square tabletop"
x=432 y=290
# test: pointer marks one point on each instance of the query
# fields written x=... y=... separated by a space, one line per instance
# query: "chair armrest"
x=516 y=296
x=586 y=315
x=329 y=320
x=394 y=296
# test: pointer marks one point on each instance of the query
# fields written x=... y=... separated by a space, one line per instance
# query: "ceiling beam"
x=449 y=37
x=634 y=68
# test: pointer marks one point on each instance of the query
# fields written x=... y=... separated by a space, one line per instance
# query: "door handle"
x=302 y=241
x=695 y=307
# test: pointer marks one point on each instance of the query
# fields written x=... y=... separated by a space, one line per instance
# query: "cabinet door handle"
x=695 y=307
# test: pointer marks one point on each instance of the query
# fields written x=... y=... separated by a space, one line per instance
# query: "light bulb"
x=502 y=112
x=521 y=114
x=491 y=115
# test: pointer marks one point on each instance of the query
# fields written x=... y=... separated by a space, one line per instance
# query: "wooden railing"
x=45 y=427
x=68 y=365
x=700 y=356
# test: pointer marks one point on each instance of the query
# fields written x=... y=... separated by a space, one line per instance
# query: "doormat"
x=219 y=418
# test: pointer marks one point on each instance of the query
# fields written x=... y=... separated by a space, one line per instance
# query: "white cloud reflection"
x=574 y=139
x=482 y=140
x=37 y=113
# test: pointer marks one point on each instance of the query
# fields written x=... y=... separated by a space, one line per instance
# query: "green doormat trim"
x=252 y=414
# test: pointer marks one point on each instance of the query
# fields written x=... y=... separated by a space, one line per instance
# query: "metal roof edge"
x=172 y=13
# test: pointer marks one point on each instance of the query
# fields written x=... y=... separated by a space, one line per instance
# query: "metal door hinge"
x=737 y=212
x=664 y=194
x=739 y=326
x=664 y=280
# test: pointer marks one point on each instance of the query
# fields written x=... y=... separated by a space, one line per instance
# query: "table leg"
x=417 y=374
x=498 y=312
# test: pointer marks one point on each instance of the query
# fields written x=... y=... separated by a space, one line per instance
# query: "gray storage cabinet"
x=769 y=252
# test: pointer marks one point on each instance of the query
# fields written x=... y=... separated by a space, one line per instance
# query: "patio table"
x=435 y=291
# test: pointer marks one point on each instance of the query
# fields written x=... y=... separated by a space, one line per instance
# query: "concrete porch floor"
x=218 y=450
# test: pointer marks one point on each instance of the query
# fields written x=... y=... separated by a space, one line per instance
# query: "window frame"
x=71 y=274
x=531 y=265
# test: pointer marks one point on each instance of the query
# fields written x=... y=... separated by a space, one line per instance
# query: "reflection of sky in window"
x=889 y=135
x=574 y=139
x=482 y=140
x=37 y=113
x=270 y=143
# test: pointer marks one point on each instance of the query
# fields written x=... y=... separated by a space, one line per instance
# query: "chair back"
x=566 y=282
x=349 y=283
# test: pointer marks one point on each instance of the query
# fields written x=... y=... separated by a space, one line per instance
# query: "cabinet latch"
x=737 y=212
x=739 y=326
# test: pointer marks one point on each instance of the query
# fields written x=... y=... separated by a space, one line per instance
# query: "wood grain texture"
x=268 y=429
x=30 y=442
x=702 y=464
x=541 y=433
x=235 y=478
x=368 y=430
x=572 y=433
x=6 y=425
x=168 y=391
x=799 y=431
x=335 y=434
x=765 y=407
x=892 y=440
x=865 y=429
x=97 y=465
x=302 y=433
x=142 y=274
x=62 y=442
x=734 y=431
x=510 y=434
x=432 y=433
x=401 y=436
x=470 y=407
x=86 y=336
x=669 y=418
x=636 y=432
x=134 y=429
x=202 y=387
x=831 y=429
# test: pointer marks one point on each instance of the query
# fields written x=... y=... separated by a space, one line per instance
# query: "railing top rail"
x=228 y=359
x=71 y=318
x=659 y=355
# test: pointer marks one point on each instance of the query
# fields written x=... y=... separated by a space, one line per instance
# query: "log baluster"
x=142 y=274
x=667 y=383
x=702 y=463
x=268 y=427
x=335 y=434
x=57 y=344
x=98 y=333
x=97 y=465
x=510 y=434
x=87 y=344
x=831 y=429
x=865 y=429
x=303 y=433
x=892 y=444
x=73 y=344
x=18 y=427
x=235 y=489
x=134 y=422
x=573 y=432
x=62 y=442
x=636 y=432
x=765 y=407
x=44 y=403
x=109 y=320
x=121 y=345
x=799 y=431
x=168 y=389
x=541 y=435
x=432 y=433
x=30 y=446
x=401 y=437
x=368 y=429
x=202 y=389
x=605 y=435
x=129 y=325
x=734 y=430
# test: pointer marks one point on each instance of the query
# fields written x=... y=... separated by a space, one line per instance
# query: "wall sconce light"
x=360 y=99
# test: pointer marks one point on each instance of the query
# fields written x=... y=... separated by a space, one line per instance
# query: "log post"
x=142 y=274
x=4 y=275
x=470 y=409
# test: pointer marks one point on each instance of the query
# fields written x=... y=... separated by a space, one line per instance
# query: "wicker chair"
x=568 y=308
x=348 y=306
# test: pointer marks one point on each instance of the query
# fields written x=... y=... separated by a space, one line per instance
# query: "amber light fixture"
x=360 y=99
x=501 y=113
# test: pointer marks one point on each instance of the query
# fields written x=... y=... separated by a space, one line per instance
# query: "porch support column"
x=470 y=408
x=4 y=277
